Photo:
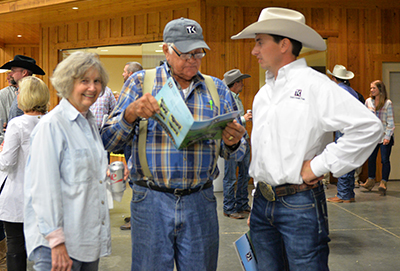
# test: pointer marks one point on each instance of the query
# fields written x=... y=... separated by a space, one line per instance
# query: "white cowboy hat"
x=284 y=22
x=341 y=72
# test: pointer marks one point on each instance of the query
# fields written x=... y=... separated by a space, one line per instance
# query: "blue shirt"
x=65 y=191
x=186 y=168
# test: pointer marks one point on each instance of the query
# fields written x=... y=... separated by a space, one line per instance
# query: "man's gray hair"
x=133 y=67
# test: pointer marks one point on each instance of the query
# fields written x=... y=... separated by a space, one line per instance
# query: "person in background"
x=173 y=212
x=20 y=67
x=67 y=221
x=382 y=107
x=237 y=203
x=294 y=115
x=33 y=99
x=104 y=105
x=7 y=96
x=130 y=68
x=345 y=183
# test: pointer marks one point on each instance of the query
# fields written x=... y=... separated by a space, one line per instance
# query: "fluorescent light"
x=75 y=8
x=159 y=51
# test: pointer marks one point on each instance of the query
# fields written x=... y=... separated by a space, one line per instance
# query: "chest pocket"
x=80 y=166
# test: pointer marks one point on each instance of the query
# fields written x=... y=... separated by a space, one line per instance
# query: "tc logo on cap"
x=191 y=29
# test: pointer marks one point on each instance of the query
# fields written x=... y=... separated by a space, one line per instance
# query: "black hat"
x=25 y=62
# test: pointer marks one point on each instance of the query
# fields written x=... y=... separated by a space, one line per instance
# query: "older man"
x=7 y=96
x=173 y=208
x=130 y=68
x=236 y=204
x=294 y=115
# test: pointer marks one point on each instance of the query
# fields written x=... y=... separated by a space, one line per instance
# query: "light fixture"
x=75 y=8
x=159 y=51
x=104 y=50
x=19 y=36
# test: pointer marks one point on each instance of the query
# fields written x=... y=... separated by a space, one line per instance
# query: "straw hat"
x=284 y=22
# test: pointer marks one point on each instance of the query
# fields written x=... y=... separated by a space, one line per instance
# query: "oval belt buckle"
x=266 y=191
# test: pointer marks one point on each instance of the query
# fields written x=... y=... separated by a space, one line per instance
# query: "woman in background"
x=380 y=105
x=33 y=99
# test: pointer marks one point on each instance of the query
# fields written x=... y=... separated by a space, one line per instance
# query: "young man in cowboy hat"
x=173 y=208
x=294 y=115
x=21 y=66
x=235 y=204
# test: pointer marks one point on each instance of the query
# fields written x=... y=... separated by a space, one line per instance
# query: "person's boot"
x=382 y=188
x=16 y=261
x=369 y=184
x=3 y=255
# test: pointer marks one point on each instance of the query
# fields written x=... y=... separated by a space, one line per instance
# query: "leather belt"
x=270 y=192
x=175 y=191
x=291 y=189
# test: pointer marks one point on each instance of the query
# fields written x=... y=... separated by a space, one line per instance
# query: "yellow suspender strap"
x=214 y=95
x=147 y=88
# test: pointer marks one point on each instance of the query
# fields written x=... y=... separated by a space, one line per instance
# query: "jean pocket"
x=208 y=194
x=139 y=193
x=299 y=201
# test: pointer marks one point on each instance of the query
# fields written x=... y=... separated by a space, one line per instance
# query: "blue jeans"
x=345 y=186
x=166 y=228
x=240 y=202
x=42 y=258
x=385 y=159
x=291 y=233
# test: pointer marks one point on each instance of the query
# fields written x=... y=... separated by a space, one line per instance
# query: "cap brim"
x=4 y=70
x=287 y=28
x=189 y=45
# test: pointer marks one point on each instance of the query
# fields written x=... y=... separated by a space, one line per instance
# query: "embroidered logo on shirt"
x=297 y=95
x=191 y=29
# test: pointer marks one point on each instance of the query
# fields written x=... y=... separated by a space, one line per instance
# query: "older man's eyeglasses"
x=189 y=56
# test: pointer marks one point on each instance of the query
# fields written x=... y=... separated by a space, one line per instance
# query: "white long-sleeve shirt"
x=65 y=192
x=12 y=163
x=294 y=118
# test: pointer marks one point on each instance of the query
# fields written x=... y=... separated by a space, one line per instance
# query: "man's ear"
x=285 y=45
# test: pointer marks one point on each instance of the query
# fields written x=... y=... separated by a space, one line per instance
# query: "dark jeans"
x=16 y=253
x=385 y=160
x=291 y=233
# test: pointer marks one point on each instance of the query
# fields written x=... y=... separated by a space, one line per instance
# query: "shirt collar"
x=71 y=112
x=287 y=71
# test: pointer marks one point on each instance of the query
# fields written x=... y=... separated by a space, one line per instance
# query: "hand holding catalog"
x=178 y=122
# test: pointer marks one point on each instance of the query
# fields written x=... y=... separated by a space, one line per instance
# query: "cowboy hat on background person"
x=20 y=67
x=24 y=62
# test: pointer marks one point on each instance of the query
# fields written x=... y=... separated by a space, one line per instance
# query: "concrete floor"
x=365 y=235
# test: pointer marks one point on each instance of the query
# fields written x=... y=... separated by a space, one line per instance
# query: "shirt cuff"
x=318 y=167
x=55 y=238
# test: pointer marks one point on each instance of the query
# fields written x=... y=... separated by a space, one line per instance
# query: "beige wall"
x=115 y=67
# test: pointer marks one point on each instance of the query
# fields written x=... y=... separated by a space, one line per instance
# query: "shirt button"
x=101 y=182
x=102 y=223
x=102 y=202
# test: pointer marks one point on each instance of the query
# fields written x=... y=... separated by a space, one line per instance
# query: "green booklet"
x=178 y=122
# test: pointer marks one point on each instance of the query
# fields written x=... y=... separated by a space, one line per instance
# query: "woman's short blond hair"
x=75 y=67
x=34 y=95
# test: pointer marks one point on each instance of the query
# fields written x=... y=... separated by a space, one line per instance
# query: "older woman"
x=33 y=100
x=66 y=214
x=380 y=105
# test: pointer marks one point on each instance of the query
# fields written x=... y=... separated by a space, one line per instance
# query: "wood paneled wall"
x=123 y=29
x=9 y=51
